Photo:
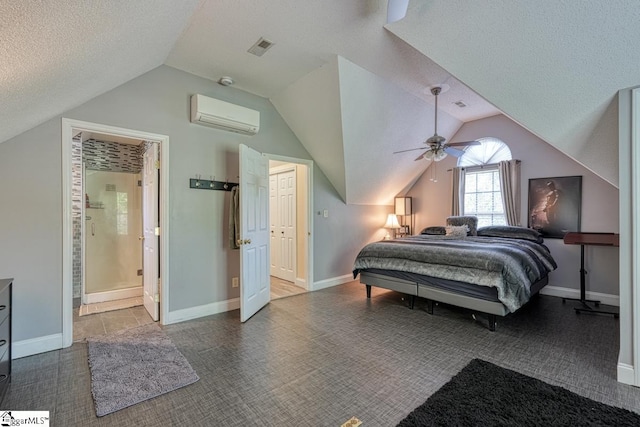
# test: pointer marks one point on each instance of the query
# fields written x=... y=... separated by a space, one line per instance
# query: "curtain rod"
x=481 y=166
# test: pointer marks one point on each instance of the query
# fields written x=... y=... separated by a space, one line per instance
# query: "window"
x=122 y=213
x=482 y=195
x=489 y=152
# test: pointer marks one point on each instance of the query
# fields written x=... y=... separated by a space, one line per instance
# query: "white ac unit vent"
x=224 y=115
x=260 y=47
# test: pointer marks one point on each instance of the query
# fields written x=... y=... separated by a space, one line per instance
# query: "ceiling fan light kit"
x=436 y=146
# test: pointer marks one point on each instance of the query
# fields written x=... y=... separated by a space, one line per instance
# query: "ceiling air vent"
x=260 y=47
x=460 y=104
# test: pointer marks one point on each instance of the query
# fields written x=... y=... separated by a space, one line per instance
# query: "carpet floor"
x=323 y=357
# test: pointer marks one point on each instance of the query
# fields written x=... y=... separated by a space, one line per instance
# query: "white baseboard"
x=113 y=295
x=201 y=311
x=334 y=281
x=626 y=374
x=33 y=346
x=557 y=291
x=302 y=283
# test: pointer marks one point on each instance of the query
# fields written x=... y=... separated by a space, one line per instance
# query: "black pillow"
x=511 y=232
x=436 y=230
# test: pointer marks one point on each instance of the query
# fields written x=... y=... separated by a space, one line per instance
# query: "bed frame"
x=432 y=293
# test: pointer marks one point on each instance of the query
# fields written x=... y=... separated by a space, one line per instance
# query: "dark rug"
x=134 y=365
x=483 y=394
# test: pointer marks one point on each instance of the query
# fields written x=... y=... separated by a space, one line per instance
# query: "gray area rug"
x=134 y=365
x=483 y=394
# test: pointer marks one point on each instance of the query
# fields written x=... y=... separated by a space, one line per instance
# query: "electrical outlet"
x=234 y=282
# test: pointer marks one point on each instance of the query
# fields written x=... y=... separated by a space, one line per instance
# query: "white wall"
x=432 y=201
x=629 y=124
x=201 y=265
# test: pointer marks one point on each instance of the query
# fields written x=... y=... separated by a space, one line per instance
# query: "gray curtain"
x=509 y=171
x=457 y=205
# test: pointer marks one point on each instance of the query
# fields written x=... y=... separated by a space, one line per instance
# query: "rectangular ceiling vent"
x=460 y=104
x=224 y=115
x=260 y=47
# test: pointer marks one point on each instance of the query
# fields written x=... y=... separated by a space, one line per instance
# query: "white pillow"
x=457 y=230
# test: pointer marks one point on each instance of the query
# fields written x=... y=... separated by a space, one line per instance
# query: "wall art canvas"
x=555 y=205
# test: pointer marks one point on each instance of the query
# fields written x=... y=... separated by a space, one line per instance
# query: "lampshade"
x=403 y=205
x=428 y=155
x=392 y=221
x=440 y=154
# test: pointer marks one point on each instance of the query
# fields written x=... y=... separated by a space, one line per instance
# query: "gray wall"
x=200 y=264
x=432 y=201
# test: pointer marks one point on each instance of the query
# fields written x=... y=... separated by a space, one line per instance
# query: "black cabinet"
x=5 y=335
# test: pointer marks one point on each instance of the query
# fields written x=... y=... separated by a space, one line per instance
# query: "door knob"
x=140 y=238
x=247 y=241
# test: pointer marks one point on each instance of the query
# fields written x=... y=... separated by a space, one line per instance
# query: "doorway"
x=254 y=238
x=289 y=227
x=114 y=198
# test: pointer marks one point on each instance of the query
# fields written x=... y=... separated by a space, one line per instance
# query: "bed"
x=494 y=271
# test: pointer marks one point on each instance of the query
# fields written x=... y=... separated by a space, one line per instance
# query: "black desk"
x=584 y=239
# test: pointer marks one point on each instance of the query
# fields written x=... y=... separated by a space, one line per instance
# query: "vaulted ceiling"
x=554 y=67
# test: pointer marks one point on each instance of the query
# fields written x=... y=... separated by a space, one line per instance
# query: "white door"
x=254 y=232
x=286 y=226
x=150 y=258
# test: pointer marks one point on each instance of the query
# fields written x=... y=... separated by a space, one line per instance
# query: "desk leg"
x=586 y=308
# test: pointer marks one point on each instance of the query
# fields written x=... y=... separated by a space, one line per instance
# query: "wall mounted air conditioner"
x=223 y=115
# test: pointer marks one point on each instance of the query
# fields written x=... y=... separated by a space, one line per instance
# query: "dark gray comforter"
x=510 y=265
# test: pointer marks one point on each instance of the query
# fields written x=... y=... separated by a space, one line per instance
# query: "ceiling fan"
x=437 y=148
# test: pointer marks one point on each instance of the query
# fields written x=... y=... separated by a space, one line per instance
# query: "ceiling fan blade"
x=453 y=151
x=420 y=157
x=410 y=149
x=464 y=143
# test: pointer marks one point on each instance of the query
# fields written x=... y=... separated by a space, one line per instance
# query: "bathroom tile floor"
x=108 y=322
x=118 y=304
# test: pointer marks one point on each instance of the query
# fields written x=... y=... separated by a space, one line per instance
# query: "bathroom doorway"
x=119 y=202
x=114 y=254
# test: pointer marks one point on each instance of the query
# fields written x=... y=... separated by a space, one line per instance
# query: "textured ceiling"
x=308 y=34
x=553 y=66
x=56 y=55
x=351 y=134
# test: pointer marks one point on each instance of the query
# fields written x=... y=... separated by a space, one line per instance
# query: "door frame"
x=309 y=184
x=68 y=127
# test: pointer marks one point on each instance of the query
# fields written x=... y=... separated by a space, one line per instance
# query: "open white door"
x=255 y=288
x=150 y=240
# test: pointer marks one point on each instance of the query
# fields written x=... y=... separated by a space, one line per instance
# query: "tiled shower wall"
x=76 y=213
x=97 y=155
x=111 y=156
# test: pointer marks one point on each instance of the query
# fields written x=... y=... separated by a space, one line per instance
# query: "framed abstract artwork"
x=555 y=205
